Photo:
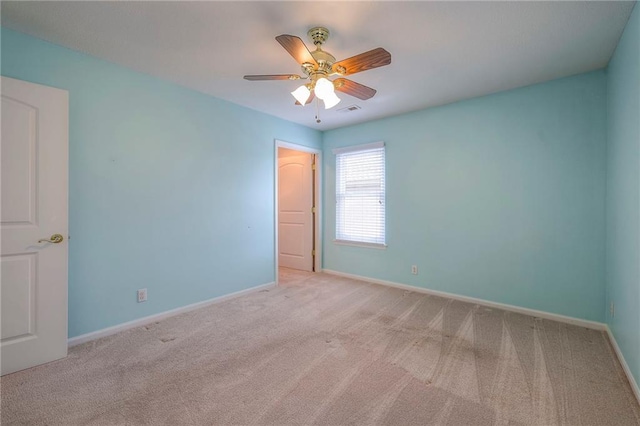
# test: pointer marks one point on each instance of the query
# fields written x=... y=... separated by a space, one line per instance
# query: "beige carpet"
x=332 y=351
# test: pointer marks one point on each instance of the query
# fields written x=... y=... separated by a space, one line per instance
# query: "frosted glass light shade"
x=331 y=101
x=324 y=88
x=301 y=94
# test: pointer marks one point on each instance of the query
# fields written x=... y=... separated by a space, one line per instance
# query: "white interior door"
x=295 y=216
x=34 y=182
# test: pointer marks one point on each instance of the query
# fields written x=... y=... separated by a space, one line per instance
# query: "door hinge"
x=313 y=210
x=313 y=252
x=313 y=166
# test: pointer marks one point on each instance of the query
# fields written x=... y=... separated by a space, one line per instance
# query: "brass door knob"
x=55 y=239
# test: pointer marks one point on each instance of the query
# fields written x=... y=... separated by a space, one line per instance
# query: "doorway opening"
x=298 y=235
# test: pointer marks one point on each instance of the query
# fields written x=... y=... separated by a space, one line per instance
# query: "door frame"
x=317 y=196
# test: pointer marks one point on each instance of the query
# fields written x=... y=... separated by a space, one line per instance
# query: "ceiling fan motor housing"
x=324 y=60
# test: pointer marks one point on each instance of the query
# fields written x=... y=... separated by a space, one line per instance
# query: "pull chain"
x=318 y=111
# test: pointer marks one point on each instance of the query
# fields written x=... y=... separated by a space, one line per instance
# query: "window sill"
x=359 y=244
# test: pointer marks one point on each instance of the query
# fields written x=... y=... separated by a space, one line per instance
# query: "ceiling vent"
x=349 y=108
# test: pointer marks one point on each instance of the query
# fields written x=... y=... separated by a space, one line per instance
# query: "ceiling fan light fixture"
x=331 y=101
x=302 y=94
x=320 y=65
x=324 y=88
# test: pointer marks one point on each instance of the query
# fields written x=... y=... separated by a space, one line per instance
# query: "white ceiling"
x=441 y=51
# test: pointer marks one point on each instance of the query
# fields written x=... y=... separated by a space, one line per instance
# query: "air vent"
x=349 y=108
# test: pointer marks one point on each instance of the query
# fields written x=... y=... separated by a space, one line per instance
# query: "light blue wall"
x=170 y=189
x=623 y=192
x=499 y=197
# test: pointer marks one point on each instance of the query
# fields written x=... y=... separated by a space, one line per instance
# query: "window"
x=360 y=195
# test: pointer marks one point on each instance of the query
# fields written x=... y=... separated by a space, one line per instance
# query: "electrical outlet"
x=414 y=269
x=142 y=295
x=612 y=309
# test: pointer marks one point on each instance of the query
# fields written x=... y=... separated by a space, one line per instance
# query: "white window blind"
x=360 y=194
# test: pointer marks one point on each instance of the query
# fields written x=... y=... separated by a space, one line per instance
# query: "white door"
x=34 y=182
x=295 y=216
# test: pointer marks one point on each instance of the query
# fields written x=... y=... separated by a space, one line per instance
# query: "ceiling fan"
x=319 y=65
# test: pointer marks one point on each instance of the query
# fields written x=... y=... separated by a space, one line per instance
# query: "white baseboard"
x=526 y=311
x=625 y=366
x=162 y=315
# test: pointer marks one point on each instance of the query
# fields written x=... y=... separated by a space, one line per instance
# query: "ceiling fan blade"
x=296 y=48
x=272 y=77
x=311 y=98
x=365 y=61
x=352 y=88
